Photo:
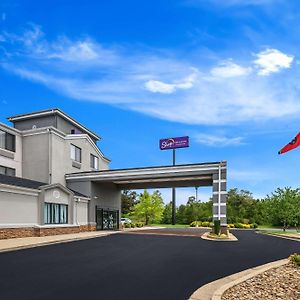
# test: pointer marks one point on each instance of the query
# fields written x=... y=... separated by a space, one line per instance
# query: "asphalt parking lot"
x=132 y=266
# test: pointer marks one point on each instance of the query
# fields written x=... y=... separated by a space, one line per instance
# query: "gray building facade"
x=54 y=179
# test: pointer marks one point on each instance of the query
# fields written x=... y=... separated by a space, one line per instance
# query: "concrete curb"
x=47 y=243
x=280 y=236
x=231 y=238
x=215 y=289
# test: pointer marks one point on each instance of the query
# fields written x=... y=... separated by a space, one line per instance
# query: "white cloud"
x=228 y=69
x=62 y=49
x=272 y=61
x=217 y=141
x=156 y=86
x=147 y=82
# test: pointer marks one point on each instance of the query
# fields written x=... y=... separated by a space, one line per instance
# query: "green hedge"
x=200 y=224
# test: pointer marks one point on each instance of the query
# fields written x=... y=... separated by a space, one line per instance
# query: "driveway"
x=132 y=266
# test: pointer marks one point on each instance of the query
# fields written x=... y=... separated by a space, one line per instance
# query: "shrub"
x=127 y=225
x=230 y=225
x=253 y=225
x=295 y=259
x=139 y=224
x=217 y=227
x=196 y=223
x=205 y=224
x=133 y=225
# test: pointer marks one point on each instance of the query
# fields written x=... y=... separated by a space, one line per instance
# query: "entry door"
x=107 y=219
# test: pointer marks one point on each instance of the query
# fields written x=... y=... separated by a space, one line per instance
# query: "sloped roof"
x=18 y=181
x=27 y=183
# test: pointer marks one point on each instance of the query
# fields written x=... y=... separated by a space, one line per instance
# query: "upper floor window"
x=7 y=171
x=75 y=153
x=94 y=162
x=7 y=141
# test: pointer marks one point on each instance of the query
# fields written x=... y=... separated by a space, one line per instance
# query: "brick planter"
x=9 y=233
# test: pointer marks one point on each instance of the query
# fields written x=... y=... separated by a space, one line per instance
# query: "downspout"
x=50 y=156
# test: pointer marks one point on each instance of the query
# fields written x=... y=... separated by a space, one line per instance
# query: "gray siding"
x=62 y=163
x=39 y=122
x=36 y=157
x=104 y=196
x=66 y=127
x=18 y=209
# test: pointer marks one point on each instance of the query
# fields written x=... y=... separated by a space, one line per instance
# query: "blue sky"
x=225 y=73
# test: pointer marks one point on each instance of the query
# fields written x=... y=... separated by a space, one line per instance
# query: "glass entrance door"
x=107 y=219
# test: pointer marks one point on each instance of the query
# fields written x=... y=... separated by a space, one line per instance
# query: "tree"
x=283 y=206
x=241 y=206
x=128 y=200
x=149 y=207
x=167 y=214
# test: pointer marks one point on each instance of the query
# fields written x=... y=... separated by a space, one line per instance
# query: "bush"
x=205 y=224
x=217 y=227
x=196 y=223
x=127 y=225
x=139 y=224
x=295 y=259
x=132 y=225
x=230 y=225
x=253 y=225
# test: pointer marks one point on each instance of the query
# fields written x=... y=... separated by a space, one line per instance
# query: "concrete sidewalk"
x=29 y=242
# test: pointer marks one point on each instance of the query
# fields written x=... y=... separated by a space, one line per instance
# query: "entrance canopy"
x=154 y=177
x=107 y=184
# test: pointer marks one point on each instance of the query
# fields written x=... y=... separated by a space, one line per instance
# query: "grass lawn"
x=171 y=226
x=279 y=232
x=268 y=226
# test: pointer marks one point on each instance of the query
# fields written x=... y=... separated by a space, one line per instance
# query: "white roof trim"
x=9 y=129
x=184 y=170
x=9 y=188
x=87 y=137
x=61 y=134
x=50 y=112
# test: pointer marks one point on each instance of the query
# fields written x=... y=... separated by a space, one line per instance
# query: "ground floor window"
x=55 y=213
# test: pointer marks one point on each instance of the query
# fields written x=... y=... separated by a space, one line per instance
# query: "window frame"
x=7 y=142
x=50 y=210
x=76 y=151
x=93 y=160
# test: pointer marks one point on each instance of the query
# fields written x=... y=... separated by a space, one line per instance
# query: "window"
x=7 y=171
x=94 y=162
x=7 y=141
x=75 y=153
x=55 y=213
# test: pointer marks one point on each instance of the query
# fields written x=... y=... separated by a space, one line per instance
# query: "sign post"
x=174 y=143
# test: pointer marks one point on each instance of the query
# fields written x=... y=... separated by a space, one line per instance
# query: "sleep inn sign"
x=173 y=143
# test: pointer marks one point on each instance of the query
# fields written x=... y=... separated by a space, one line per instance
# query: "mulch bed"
x=282 y=283
x=179 y=232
